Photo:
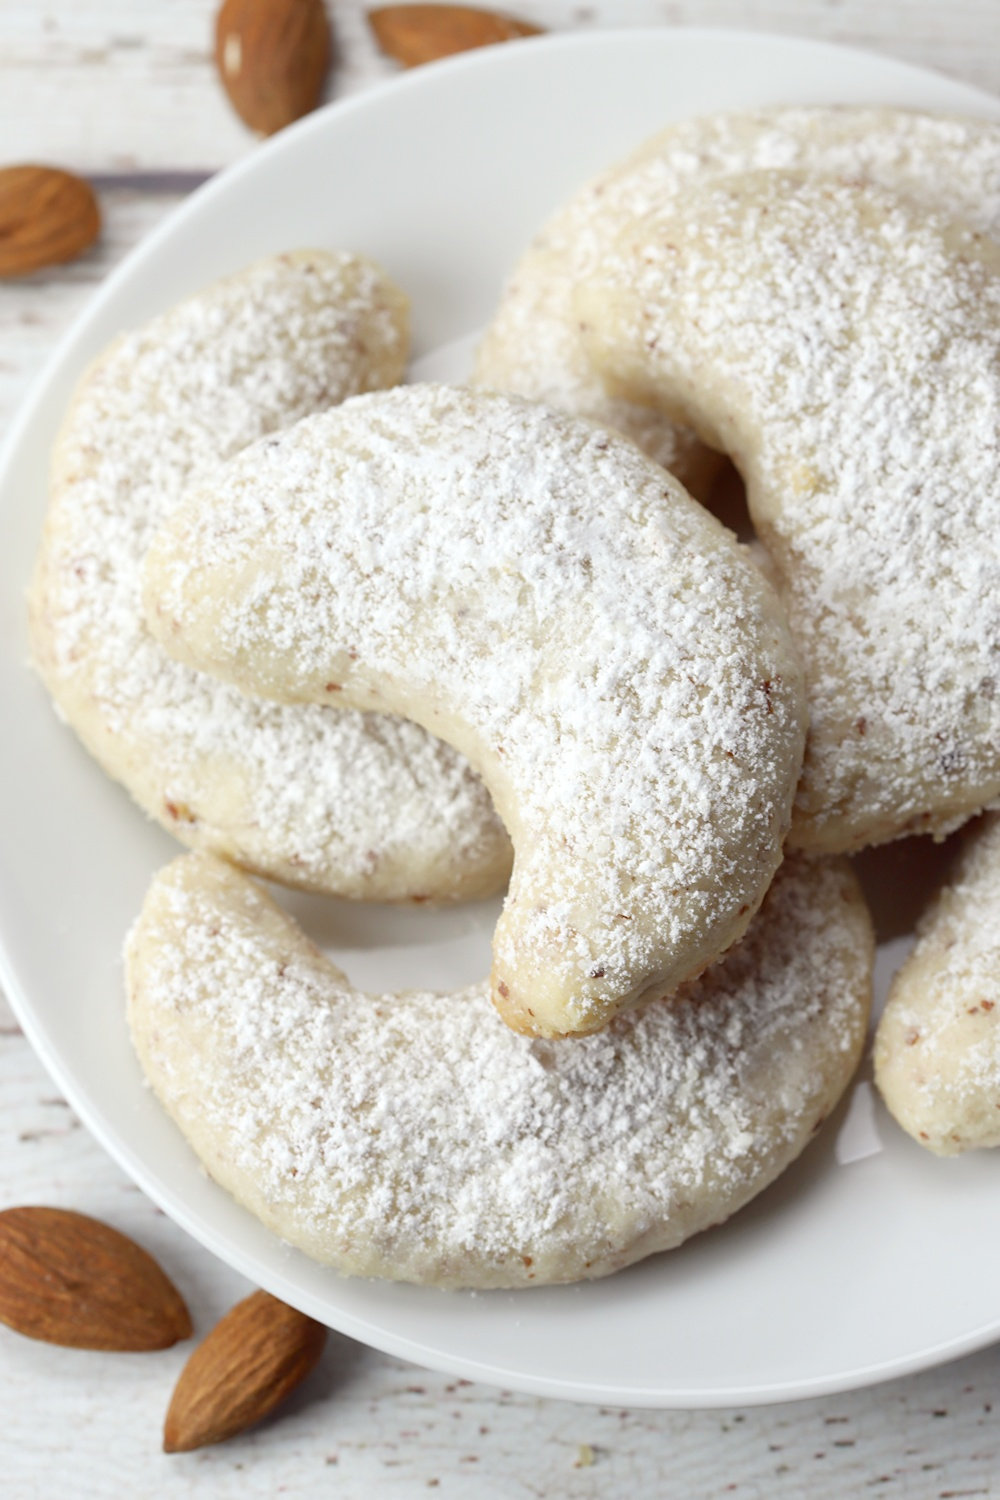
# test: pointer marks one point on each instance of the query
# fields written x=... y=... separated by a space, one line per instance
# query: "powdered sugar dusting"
x=358 y=805
x=938 y=1046
x=415 y=1137
x=546 y=599
x=533 y=345
x=842 y=344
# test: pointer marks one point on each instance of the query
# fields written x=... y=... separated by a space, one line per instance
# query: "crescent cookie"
x=842 y=346
x=415 y=1137
x=362 y=806
x=937 y=1048
x=533 y=345
x=552 y=603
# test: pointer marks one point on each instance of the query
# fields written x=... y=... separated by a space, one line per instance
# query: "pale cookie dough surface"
x=842 y=345
x=534 y=346
x=551 y=602
x=355 y=804
x=416 y=1137
x=937 y=1049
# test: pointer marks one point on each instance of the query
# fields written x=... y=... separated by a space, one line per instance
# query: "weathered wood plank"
x=35 y=311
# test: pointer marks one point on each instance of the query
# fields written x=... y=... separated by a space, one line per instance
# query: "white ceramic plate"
x=868 y=1258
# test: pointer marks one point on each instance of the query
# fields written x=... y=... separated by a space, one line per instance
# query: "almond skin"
x=253 y=1358
x=272 y=57
x=47 y=216
x=68 y=1279
x=415 y=34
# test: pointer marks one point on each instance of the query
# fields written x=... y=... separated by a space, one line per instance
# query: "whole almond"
x=69 y=1279
x=272 y=57
x=253 y=1358
x=46 y=216
x=415 y=34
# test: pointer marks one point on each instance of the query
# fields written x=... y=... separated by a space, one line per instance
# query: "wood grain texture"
x=72 y=74
x=128 y=92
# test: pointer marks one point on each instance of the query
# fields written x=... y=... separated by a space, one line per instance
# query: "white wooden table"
x=126 y=92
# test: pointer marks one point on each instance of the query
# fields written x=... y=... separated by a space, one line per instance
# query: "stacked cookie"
x=815 y=293
x=347 y=626
x=356 y=805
